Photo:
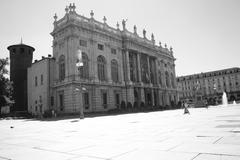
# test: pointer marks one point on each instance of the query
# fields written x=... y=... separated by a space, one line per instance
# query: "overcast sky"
x=204 y=34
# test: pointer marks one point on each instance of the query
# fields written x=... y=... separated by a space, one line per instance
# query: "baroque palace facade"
x=211 y=85
x=118 y=67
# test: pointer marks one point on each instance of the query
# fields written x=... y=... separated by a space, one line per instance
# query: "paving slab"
x=224 y=149
x=212 y=133
x=22 y=153
x=147 y=154
x=216 y=157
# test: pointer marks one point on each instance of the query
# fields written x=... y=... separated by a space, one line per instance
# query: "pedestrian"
x=53 y=114
x=186 y=111
x=206 y=104
x=182 y=104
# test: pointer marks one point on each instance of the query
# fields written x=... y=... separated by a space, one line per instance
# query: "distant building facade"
x=118 y=67
x=211 y=85
x=20 y=59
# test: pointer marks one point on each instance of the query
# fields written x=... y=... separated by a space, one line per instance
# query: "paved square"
x=205 y=134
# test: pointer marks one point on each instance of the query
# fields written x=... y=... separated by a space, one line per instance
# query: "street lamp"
x=79 y=63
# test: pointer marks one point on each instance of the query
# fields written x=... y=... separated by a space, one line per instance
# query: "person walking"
x=186 y=111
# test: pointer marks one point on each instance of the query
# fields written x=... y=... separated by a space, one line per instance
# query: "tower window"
x=41 y=79
x=21 y=50
x=36 y=82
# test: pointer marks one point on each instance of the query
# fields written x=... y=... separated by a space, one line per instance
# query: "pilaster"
x=149 y=76
x=160 y=97
x=152 y=94
x=156 y=72
x=127 y=66
x=130 y=95
x=142 y=94
x=139 y=68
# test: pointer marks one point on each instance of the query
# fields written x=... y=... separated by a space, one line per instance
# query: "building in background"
x=211 y=85
x=119 y=67
x=20 y=59
x=39 y=82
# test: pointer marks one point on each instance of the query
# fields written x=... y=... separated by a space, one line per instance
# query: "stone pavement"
x=205 y=134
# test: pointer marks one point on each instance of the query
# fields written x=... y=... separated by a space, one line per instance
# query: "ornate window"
x=86 y=100
x=104 y=98
x=114 y=70
x=84 y=70
x=101 y=68
x=61 y=67
x=167 y=79
x=144 y=69
x=83 y=43
x=113 y=51
x=61 y=100
x=152 y=70
x=100 y=47
x=133 y=66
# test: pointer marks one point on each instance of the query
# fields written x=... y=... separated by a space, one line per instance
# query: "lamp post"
x=79 y=63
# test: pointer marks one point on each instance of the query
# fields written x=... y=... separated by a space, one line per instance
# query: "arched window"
x=101 y=68
x=144 y=69
x=114 y=70
x=167 y=79
x=133 y=66
x=61 y=67
x=84 y=70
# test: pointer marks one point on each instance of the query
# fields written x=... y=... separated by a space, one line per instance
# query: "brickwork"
x=20 y=59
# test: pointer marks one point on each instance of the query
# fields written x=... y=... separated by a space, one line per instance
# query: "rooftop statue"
x=124 y=24
x=135 y=29
x=144 y=33
x=91 y=14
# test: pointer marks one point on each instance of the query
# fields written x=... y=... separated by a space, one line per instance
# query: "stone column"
x=152 y=94
x=174 y=74
x=156 y=71
x=164 y=98
x=160 y=102
x=93 y=70
x=108 y=72
x=130 y=95
x=139 y=68
x=127 y=66
x=121 y=68
x=142 y=96
x=148 y=63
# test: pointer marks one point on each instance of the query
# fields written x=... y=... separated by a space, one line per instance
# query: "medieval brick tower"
x=20 y=59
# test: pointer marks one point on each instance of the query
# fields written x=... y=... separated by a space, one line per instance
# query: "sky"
x=204 y=34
